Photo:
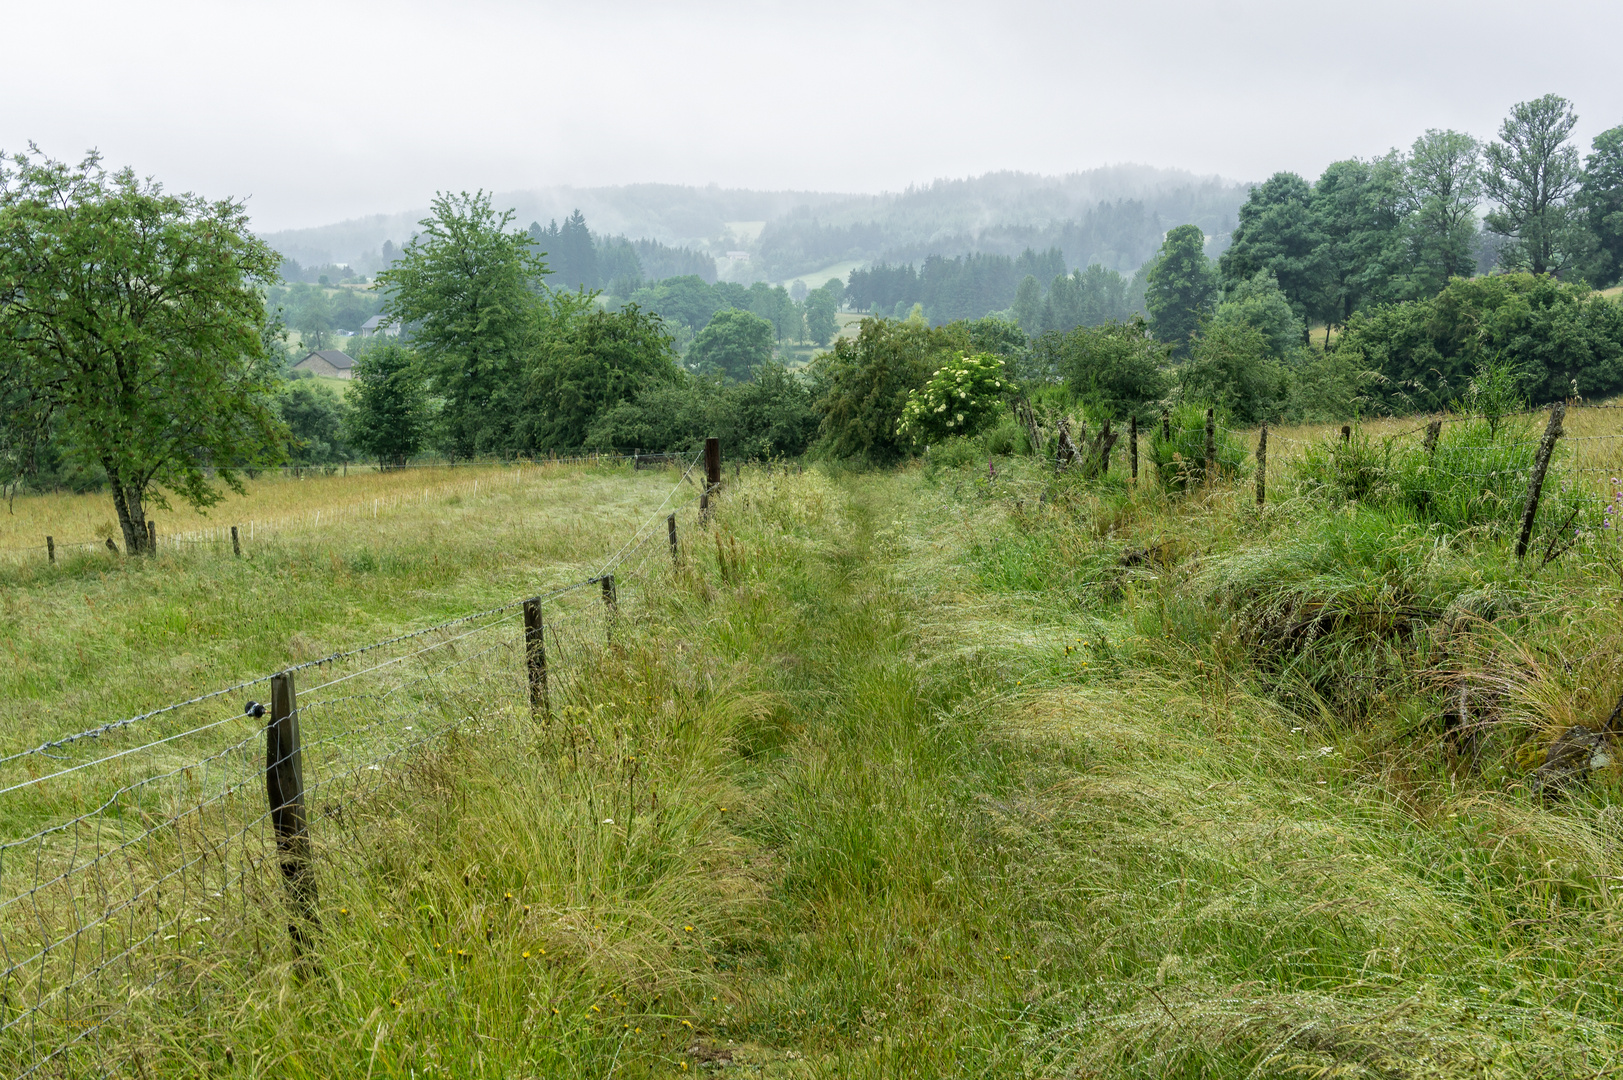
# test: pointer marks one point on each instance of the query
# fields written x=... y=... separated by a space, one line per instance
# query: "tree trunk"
x=131 y=515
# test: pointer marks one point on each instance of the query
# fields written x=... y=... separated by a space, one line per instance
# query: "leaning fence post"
x=1535 y=483
x=670 y=527
x=284 y=788
x=1211 y=445
x=1262 y=465
x=1132 y=444
x=50 y=549
x=535 y=654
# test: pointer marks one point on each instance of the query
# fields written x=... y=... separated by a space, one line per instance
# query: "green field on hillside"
x=920 y=773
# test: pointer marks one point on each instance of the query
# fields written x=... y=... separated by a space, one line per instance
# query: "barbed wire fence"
x=141 y=855
x=1500 y=475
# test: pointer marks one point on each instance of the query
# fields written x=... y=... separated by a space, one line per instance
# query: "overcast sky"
x=316 y=112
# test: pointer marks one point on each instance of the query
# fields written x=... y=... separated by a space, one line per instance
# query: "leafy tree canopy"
x=1560 y=337
x=862 y=385
x=593 y=364
x=471 y=291
x=1116 y=370
x=1182 y=288
x=388 y=416
x=132 y=324
x=732 y=344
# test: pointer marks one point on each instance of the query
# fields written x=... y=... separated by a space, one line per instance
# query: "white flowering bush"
x=960 y=399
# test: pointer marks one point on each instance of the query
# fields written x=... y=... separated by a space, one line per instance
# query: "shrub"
x=1180 y=461
x=961 y=398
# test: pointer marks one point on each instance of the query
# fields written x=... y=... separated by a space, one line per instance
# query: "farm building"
x=377 y=324
x=328 y=362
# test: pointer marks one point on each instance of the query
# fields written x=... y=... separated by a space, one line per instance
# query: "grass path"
x=869 y=788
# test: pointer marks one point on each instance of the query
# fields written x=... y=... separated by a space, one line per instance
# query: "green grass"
x=903 y=775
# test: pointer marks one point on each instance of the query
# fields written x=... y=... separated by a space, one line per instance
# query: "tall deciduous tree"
x=388 y=414
x=133 y=321
x=821 y=306
x=733 y=344
x=1602 y=200
x=471 y=291
x=1183 y=288
x=1532 y=174
x=1440 y=187
x=1279 y=233
x=591 y=363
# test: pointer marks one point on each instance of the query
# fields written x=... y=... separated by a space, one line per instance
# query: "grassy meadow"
x=906 y=774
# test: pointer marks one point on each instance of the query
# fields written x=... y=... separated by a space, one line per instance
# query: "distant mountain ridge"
x=1115 y=215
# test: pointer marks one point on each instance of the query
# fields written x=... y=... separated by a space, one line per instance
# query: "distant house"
x=377 y=324
x=328 y=362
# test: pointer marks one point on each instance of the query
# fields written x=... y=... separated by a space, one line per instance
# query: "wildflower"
x=689 y=929
x=608 y=821
x=596 y=1009
x=526 y=954
x=686 y=1023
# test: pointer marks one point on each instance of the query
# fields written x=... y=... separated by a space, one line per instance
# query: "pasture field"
x=920 y=773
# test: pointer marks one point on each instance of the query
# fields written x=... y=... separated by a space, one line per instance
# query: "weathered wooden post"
x=535 y=655
x=1346 y=434
x=1433 y=430
x=1535 y=483
x=712 y=476
x=611 y=604
x=152 y=537
x=50 y=550
x=284 y=789
x=670 y=527
x=1262 y=465
x=1211 y=446
x=112 y=546
x=1132 y=444
x=236 y=544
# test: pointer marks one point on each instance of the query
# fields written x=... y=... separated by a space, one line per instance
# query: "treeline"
x=1399 y=227
x=688 y=304
x=965 y=287
x=579 y=260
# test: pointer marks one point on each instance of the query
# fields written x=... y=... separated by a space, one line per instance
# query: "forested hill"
x=1115 y=216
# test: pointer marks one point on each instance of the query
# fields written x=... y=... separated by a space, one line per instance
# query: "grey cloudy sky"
x=317 y=111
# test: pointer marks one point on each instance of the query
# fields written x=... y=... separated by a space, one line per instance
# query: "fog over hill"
x=1113 y=215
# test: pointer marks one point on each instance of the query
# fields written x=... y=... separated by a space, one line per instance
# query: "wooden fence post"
x=152 y=537
x=670 y=527
x=535 y=654
x=1132 y=445
x=1346 y=434
x=1535 y=483
x=1433 y=429
x=712 y=476
x=284 y=788
x=1262 y=465
x=236 y=544
x=50 y=549
x=1211 y=446
x=611 y=605
x=112 y=546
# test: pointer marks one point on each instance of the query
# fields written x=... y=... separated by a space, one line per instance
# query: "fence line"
x=221 y=534
x=141 y=867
